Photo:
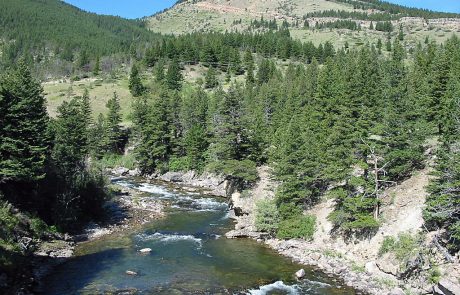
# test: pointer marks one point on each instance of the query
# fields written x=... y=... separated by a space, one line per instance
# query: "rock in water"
x=145 y=250
x=131 y=273
x=300 y=273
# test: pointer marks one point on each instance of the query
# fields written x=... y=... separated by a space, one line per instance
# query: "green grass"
x=100 y=92
x=112 y=161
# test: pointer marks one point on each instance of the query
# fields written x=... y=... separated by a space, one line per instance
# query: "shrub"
x=180 y=164
x=435 y=275
x=38 y=227
x=267 y=216
x=387 y=245
x=403 y=247
x=289 y=211
x=298 y=227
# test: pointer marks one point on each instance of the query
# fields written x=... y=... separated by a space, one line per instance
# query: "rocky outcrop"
x=446 y=287
x=213 y=184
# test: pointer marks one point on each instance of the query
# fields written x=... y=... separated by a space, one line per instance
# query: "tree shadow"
x=76 y=273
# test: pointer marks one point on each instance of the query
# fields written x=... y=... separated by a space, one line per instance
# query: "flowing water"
x=190 y=255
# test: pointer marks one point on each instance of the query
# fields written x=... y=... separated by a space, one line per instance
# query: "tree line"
x=44 y=162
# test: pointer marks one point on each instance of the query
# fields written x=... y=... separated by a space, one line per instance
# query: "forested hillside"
x=347 y=129
x=51 y=29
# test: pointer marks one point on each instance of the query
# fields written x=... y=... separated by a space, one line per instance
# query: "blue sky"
x=140 y=8
x=124 y=8
x=437 y=5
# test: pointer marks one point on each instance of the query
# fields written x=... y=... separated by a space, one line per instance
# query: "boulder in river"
x=300 y=273
x=131 y=273
x=145 y=250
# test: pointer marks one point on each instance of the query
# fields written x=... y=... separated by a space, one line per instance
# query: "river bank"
x=357 y=263
x=128 y=210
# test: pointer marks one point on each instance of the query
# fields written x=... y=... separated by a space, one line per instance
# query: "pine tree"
x=114 y=120
x=249 y=67
x=98 y=138
x=86 y=113
x=174 y=76
x=97 y=67
x=159 y=71
x=154 y=148
x=23 y=127
x=211 y=79
x=71 y=139
x=135 y=84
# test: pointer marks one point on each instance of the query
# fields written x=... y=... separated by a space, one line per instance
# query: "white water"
x=276 y=286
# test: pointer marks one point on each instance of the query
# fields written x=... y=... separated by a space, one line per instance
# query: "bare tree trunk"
x=376 y=179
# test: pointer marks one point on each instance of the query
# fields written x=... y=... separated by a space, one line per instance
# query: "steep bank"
x=359 y=262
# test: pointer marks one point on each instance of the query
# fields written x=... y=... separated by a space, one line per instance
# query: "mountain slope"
x=54 y=26
x=327 y=20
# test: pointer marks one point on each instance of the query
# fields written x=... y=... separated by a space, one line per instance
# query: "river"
x=190 y=255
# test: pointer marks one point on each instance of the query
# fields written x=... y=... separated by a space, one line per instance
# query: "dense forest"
x=46 y=30
x=347 y=129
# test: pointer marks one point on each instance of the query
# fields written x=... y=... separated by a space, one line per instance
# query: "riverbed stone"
x=397 y=291
x=300 y=273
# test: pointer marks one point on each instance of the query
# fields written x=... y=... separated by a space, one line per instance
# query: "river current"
x=190 y=255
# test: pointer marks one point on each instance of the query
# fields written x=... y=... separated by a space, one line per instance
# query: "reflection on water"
x=190 y=255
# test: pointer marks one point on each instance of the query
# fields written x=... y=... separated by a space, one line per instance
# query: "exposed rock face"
x=213 y=184
x=447 y=287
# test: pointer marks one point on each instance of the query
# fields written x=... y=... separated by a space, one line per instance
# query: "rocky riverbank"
x=127 y=210
x=357 y=263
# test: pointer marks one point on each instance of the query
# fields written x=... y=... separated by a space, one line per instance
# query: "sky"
x=123 y=8
x=140 y=8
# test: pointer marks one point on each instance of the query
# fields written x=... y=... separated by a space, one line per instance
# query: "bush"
x=38 y=227
x=8 y=222
x=289 y=211
x=387 y=245
x=301 y=227
x=180 y=164
x=267 y=216
x=404 y=247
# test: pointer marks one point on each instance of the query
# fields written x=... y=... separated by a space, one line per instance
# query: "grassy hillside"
x=237 y=15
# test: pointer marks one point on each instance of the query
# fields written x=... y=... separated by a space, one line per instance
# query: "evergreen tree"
x=86 y=114
x=159 y=71
x=23 y=127
x=114 y=133
x=135 y=84
x=154 y=148
x=174 y=76
x=210 y=79
x=71 y=139
x=97 y=67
